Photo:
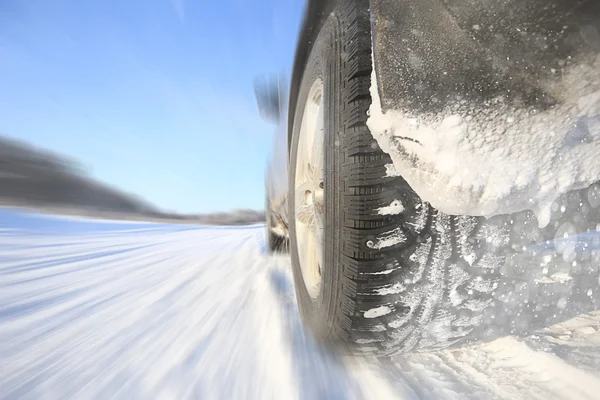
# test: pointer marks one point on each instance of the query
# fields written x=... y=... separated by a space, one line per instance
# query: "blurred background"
x=152 y=98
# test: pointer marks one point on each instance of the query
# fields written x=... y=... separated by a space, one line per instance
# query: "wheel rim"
x=308 y=191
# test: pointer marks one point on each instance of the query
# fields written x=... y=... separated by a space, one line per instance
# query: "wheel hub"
x=309 y=190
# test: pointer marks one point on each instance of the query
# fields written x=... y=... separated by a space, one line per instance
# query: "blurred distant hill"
x=41 y=180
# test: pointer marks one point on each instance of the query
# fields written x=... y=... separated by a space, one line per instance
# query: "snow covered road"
x=97 y=310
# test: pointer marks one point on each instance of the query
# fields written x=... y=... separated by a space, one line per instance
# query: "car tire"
x=394 y=274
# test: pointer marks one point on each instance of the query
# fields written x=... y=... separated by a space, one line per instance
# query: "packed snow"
x=144 y=311
x=377 y=312
x=395 y=207
x=387 y=239
x=497 y=159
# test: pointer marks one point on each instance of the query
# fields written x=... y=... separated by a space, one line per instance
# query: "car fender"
x=431 y=52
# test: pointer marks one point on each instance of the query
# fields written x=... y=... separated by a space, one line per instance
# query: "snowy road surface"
x=97 y=310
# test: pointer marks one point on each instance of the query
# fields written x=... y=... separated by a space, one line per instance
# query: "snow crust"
x=387 y=239
x=497 y=159
x=395 y=207
x=377 y=312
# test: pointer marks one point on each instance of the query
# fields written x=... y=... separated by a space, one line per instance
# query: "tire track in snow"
x=320 y=375
x=503 y=369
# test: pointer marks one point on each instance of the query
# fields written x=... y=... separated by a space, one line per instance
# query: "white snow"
x=391 y=289
x=503 y=369
x=560 y=277
x=384 y=272
x=390 y=170
x=394 y=208
x=500 y=160
x=387 y=239
x=204 y=313
x=377 y=312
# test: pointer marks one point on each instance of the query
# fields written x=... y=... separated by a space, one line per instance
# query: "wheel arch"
x=478 y=51
x=462 y=60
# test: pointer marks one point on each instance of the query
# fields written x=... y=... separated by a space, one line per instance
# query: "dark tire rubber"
x=418 y=280
x=274 y=242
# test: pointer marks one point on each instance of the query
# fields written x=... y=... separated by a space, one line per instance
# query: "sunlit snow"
x=144 y=311
x=494 y=159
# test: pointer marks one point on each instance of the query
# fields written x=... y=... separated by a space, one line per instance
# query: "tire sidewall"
x=318 y=314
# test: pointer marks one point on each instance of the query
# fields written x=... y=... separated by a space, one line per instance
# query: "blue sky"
x=153 y=96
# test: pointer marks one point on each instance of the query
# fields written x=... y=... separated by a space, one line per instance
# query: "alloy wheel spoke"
x=317 y=156
x=308 y=188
